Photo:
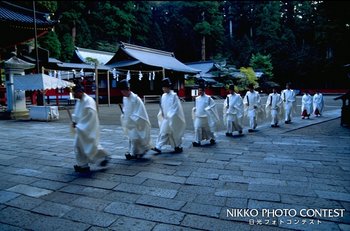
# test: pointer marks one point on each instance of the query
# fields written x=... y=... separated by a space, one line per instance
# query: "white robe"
x=288 y=98
x=306 y=104
x=233 y=113
x=136 y=124
x=86 y=145
x=171 y=121
x=273 y=107
x=318 y=103
x=205 y=118
x=253 y=109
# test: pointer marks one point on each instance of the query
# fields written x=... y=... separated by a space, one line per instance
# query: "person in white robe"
x=233 y=112
x=288 y=98
x=87 y=132
x=318 y=103
x=171 y=120
x=273 y=107
x=306 y=105
x=205 y=118
x=135 y=122
x=252 y=104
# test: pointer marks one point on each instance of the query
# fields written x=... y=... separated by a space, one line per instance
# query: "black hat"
x=201 y=86
x=231 y=87
x=166 y=82
x=123 y=85
x=78 y=88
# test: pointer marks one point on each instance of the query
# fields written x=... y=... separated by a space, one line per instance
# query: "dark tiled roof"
x=148 y=57
x=10 y=13
x=81 y=66
x=203 y=66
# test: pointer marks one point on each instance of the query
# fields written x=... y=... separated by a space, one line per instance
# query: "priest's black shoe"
x=229 y=134
x=156 y=150
x=104 y=162
x=212 y=141
x=77 y=168
x=178 y=150
x=195 y=144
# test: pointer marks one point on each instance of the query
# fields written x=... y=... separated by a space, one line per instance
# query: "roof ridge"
x=132 y=46
x=96 y=51
x=201 y=62
x=10 y=4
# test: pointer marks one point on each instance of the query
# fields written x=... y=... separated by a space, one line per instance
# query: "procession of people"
x=136 y=125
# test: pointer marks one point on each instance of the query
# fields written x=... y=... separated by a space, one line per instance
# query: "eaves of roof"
x=81 y=66
x=11 y=13
x=103 y=57
x=156 y=58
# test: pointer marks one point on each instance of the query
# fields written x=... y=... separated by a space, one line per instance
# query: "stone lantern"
x=16 y=100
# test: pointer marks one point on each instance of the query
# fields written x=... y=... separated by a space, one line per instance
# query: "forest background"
x=306 y=42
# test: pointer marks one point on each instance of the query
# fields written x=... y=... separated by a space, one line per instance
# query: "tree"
x=113 y=21
x=250 y=78
x=50 y=6
x=84 y=36
x=263 y=63
x=142 y=27
x=156 y=37
x=332 y=35
x=106 y=46
x=306 y=40
x=209 y=27
x=51 y=43
x=183 y=28
x=268 y=31
x=71 y=14
x=175 y=23
x=242 y=16
x=91 y=61
x=67 y=48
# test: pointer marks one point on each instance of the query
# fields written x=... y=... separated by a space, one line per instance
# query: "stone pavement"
x=281 y=178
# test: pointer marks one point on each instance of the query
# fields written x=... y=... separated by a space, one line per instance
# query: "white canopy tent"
x=39 y=82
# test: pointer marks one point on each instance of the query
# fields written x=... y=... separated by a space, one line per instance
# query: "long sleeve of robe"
x=205 y=118
x=233 y=105
x=136 y=124
x=318 y=103
x=288 y=98
x=252 y=104
x=273 y=102
x=171 y=120
x=306 y=104
x=87 y=136
x=206 y=108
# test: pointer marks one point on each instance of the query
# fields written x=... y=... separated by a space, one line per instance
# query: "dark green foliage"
x=263 y=63
x=84 y=37
x=67 y=48
x=50 y=6
x=305 y=42
x=51 y=43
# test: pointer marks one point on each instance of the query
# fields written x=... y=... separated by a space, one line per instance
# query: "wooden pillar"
x=163 y=71
x=108 y=90
x=96 y=86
